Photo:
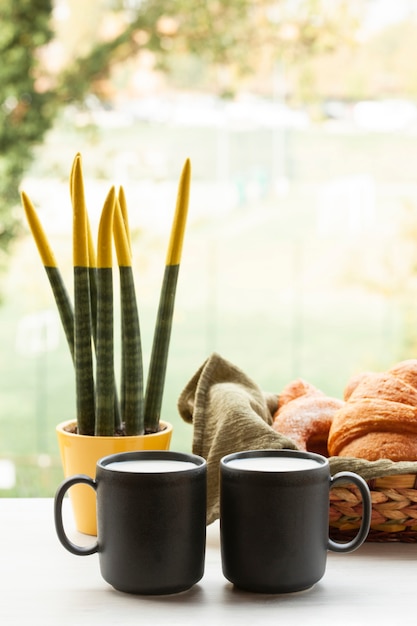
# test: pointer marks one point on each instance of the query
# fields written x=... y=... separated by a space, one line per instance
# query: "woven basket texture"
x=394 y=509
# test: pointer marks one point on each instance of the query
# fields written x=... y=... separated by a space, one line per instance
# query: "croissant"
x=379 y=417
x=304 y=415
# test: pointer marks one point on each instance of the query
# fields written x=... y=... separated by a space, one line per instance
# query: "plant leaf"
x=62 y=299
x=105 y=423
x=83 y=361
x=131 y=394
x=162 y=334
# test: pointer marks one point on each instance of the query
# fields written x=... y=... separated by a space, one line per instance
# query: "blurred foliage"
x=244 y=36
x=37 y=79
x=25 y=111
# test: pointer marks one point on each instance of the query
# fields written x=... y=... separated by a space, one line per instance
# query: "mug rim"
x=158 y=455
x=322 y=461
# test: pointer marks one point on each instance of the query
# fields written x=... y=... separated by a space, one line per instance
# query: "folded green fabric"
x=230 y=413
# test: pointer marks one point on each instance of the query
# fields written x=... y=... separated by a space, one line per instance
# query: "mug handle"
x=363 y=531
x=59 y=525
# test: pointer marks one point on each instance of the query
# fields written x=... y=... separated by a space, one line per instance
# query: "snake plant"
x=103 y=408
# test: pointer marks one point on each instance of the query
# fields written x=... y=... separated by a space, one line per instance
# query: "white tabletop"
x=41 y=583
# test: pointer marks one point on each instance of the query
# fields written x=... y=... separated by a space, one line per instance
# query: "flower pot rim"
x=165 y=428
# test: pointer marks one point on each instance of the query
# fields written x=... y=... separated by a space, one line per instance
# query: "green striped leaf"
x=132 y=368
x=63 y=303
x=105 y=354
x=83 y=358
x=94 y=300
x=160 y=348
x=162 y=334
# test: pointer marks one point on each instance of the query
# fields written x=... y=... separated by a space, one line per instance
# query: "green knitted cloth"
x=230 y=413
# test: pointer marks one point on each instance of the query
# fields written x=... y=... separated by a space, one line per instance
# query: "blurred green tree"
x=25 y=111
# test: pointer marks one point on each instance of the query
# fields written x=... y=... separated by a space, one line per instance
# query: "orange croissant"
x=304 y=415
x=379 y=417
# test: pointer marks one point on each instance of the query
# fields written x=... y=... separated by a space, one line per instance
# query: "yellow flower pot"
x=79 y=455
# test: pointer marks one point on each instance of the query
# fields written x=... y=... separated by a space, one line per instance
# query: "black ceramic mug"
x=274 y=519
x=151 y=520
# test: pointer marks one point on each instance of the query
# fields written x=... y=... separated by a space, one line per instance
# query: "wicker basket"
x=394 y=509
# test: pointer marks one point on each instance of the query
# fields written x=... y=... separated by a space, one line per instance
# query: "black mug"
x=274 y=519
x=151 y=520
